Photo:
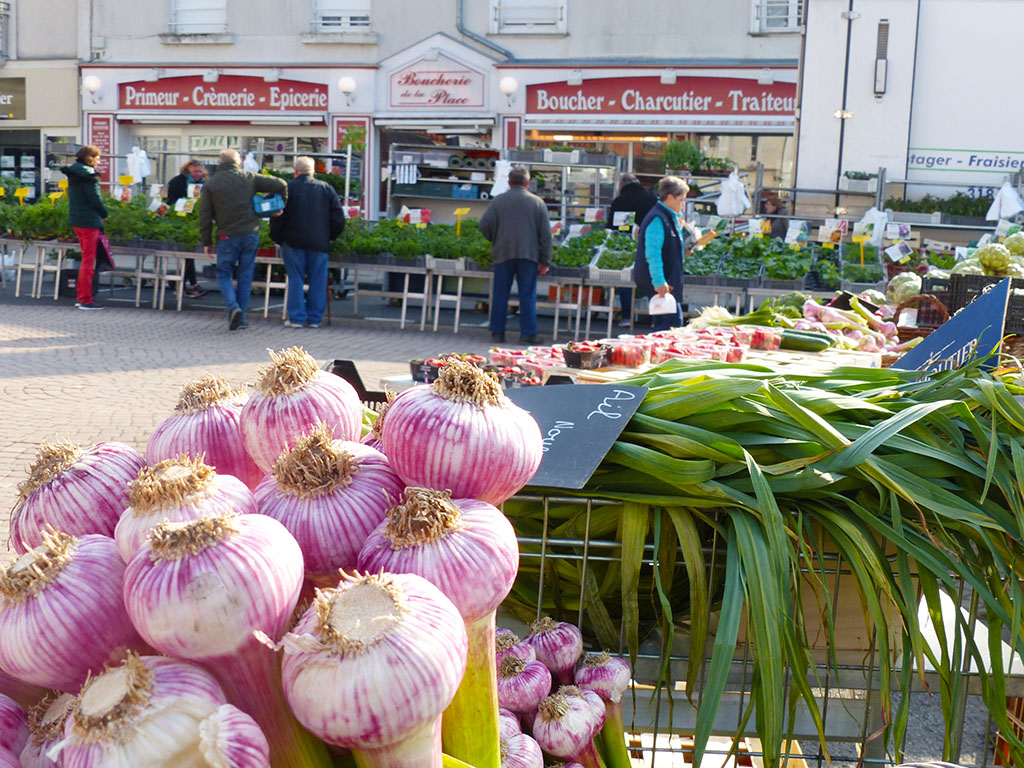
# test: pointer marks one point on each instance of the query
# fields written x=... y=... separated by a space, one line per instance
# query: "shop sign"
x=972 y=333
x=436 y=83
x=101 y=135
x=231 y=93
x=578 y=426
x=691 y=96
x=12 y=98
x=199 y=144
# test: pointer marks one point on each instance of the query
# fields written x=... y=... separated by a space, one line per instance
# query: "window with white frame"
x=199 y=17
x=341 y=15
x=528 y=17
x=771 y=16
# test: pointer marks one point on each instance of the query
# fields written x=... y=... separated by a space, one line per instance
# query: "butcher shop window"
x=528 y=17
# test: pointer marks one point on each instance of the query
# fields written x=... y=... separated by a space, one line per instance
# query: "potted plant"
x=524 y=155
x=681 y=156
x=858 y=181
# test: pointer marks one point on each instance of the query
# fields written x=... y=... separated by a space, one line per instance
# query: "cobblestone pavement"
x=115 y=374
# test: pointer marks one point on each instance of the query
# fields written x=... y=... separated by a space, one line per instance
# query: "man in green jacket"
x=86 y=213
x=227 y=201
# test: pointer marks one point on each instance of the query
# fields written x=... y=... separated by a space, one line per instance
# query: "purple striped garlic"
x=232 y=739
x=62 y=612
x=608 y=677
x=292 y=396
x=9 y=759
x=149 y=711
x=565 y=727
x=330 y=495
x=74 y=490
x=177 y=490
x=13 y=725
x=463 y=435
x=206 y=423
x=468 y=550
x=372 y=664
x=508 y=724
x=521 y=751
x=46 y=724
x=522 y=685
x=507 y=643
x=559 y=646
x=202 y=590
x=25 y=694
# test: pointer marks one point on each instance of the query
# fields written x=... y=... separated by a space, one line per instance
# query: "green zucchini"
x=805 y=341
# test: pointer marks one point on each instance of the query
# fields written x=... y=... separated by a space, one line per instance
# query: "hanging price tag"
x=860 y=239
x=125 y=180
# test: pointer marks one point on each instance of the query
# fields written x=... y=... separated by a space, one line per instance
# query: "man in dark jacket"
x=633 y=197
x=311 y=219
x=86 y=214
x=227 y=200
x=192 y=174
x=516 y=222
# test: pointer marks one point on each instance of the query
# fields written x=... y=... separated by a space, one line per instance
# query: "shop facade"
x=38 y=115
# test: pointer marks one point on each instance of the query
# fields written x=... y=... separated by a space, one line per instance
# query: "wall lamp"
x=211 y=76
x=154 y=74
x=575 y=77
x=93 y=84
x=272 y=76
x=509 y=86
x=668 y=76
x=347 y=85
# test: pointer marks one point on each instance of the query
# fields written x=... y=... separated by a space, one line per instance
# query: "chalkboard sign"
x=971 y=333
x=579 y=425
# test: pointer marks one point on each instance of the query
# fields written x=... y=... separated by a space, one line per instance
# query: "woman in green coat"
x=86 y=215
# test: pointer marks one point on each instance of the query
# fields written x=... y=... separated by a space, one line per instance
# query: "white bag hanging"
x=734 y=200
x=250 y=164
x=879 y=219
x=1007 y=203
x=501 y=171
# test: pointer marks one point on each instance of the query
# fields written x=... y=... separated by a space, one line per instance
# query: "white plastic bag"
x=734 y=200
x=1007 y=203
x=250 y=164
x=501 y=171
x=879 y=219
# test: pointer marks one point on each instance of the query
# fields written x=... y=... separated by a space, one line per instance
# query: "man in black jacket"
x=192 y=173
x=312 y=218
x=633 y=197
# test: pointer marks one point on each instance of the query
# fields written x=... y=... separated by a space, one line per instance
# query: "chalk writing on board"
x=610 y=405
x=555 y=431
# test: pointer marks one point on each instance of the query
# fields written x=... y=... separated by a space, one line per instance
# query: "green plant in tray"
x=616 y=259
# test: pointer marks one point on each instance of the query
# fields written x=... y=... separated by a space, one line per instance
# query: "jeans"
x=237 y=252
x=525 y=274
x=87 y=238
x=626 y=303
x=305 y=265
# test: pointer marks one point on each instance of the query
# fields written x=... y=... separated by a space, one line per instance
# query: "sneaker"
x=244 y=324
x=90 y=305
x=194 y=292
x=235 y=318
x=290 y=324
x=498 y=337
x=312 y=325
x=624 y=323
x=532 y=340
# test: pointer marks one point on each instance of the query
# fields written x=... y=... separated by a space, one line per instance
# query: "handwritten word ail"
x=609 y=404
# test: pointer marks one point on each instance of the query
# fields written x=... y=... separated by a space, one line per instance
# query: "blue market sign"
x=973 y=332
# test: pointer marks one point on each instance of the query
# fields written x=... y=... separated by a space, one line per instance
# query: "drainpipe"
x=846 y=83
x=798 y=113
x=459 y=25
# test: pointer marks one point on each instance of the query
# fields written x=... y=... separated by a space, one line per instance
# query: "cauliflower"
x=871 y=296
x=968 y=267
x=1015 y=243
x=994 y=258
x=941 y=274
x=1015 y=270
x=903 y=286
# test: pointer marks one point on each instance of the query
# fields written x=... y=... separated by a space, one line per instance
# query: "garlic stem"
x=421 y=750
x=611 y=739
x=251 y=680
x=476 y=702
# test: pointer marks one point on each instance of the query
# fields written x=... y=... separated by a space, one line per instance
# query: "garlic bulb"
x=147 y=712
x=73 y=489
x=177 y=490
x=46 y=724
x=13 y=725
x=62 y=612
x=372 y=665
x=229 y=738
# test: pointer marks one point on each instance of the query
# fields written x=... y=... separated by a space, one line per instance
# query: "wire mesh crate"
x=568 y=546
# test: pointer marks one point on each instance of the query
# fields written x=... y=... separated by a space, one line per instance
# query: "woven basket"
x=912 y=333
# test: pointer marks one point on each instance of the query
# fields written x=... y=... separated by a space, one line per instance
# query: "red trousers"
x=87 y=238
